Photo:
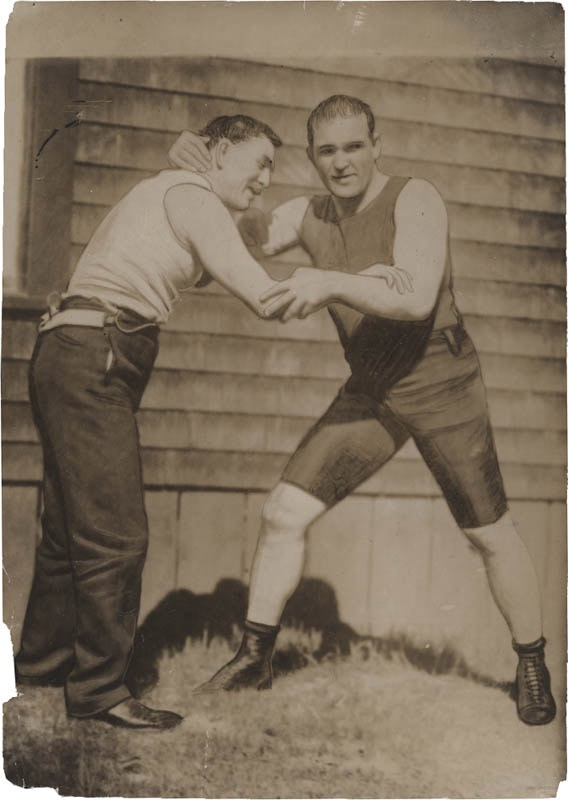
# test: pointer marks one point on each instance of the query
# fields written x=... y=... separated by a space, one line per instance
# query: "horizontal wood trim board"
x=477 y=293
x=173 y=429
x=530 y=265
x=226 y=316
x=201 y=352
x=247 y=471
x=500 y=263
x=490 y=298
x=104 y=185
x=474 y=223
x=470 y=222
x=477 y=297
x=114 y=104
x=205 y=352
x=294 y=86
x=299 y=397
x=144 y=149
x=491 y=334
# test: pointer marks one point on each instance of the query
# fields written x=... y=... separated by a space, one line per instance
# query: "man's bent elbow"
x=418 y=311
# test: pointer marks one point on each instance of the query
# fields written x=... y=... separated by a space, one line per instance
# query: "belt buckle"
x=53 y=300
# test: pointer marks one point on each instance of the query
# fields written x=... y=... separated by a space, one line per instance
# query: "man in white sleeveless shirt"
x=90 y=366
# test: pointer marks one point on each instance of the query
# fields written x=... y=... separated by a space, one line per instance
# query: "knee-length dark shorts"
x=441 y=404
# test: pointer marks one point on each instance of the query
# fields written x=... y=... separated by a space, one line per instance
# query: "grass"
x=370 y=724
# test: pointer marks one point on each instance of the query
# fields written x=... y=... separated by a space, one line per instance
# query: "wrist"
x=337 y=283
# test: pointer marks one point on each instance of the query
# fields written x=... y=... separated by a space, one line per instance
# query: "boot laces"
x=533 y=668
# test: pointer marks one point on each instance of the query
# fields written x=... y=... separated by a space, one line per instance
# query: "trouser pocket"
x=130 y=360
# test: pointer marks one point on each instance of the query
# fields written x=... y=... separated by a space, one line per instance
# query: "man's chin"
x=241 y=205
x=345 y=192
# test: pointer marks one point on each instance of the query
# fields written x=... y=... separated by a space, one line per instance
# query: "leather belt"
x=87 y=317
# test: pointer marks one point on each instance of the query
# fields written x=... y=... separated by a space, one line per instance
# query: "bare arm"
x=272 y=233
x=419 y=253
x=264 y=234
x=202 y=224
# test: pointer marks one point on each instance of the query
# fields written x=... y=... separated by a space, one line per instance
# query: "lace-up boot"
x=251 y=668
x=535 y=703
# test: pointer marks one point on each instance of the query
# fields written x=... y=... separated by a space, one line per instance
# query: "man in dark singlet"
x=414 y=373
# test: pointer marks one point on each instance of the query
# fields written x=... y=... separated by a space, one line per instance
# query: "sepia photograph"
x=284 y=399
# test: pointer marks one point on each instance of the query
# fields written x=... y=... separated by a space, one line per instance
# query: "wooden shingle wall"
x=232 y=395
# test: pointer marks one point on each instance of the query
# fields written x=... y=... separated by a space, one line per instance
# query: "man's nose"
x=264 y=178
x=340 y=161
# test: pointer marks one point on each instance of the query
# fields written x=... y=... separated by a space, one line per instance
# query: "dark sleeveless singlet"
x=374 y=346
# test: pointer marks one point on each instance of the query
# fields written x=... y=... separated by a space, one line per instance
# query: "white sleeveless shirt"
x=134 y=260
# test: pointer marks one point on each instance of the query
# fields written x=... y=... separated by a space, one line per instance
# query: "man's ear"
x=220 y=152
x=377 y=146
x=310 y=154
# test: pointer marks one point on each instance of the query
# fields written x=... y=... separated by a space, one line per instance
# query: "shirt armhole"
x=186 y=245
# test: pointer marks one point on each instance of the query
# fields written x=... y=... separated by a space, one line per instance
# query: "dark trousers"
x=85 y=386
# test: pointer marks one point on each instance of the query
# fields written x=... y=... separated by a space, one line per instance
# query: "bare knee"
x=290 y=510
x=492 y=538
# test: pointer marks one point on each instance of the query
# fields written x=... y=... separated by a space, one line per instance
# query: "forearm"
x=405 y=290
x=371 y=295
x=247 y=282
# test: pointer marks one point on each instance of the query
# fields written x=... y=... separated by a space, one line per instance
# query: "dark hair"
x=238 y=128
x=339 y=105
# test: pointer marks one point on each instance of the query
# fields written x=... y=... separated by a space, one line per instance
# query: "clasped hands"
x=308 y=289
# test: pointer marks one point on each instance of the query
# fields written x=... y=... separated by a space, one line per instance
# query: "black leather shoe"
x=133 y=714
x=251 y=668
x=535 y=703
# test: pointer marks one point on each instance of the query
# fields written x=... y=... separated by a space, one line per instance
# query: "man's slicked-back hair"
x=238 y=128
x=339 y=105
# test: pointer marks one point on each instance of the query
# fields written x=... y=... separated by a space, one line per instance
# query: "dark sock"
x=261 y=629
x=531 y=647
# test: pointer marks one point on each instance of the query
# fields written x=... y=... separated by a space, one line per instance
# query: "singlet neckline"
x=196 y=179
x=330 y=212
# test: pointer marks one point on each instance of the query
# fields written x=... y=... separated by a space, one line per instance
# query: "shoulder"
x=195 y=212
x=420 y=196
x=419 y=189
x=300 y=203
x=188 y=189
x=193 y=196
x=294 y=209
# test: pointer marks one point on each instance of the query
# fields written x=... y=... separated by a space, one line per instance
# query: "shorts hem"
x=484 y=522
x=318 y=496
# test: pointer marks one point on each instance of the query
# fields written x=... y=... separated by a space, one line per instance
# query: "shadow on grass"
x=182 y=617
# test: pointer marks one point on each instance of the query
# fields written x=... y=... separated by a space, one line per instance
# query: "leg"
x=280 y=553
x=46 y=653
x=276 y=571
x=88 y=416
x=108 y=542
x=514 y=586
x=464 y=462
x=92 y=434
x=350 y=442
x=511 y=575
x=450 y=423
